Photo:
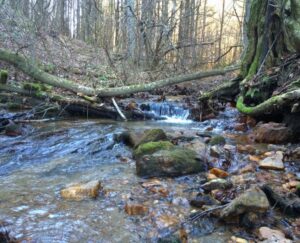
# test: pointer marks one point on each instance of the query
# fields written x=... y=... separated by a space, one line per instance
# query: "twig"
x=198 y=215
x=118 y=109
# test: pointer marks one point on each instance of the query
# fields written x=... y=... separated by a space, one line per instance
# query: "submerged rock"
x=175 y=162
x=152 y=135
x=253 y=200
x=81 y=191
x=272 y=132
x=136 y=209
x=13 y=130
x=273 y=162
x=152 y=147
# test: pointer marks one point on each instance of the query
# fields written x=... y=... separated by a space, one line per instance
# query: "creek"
x=36 y=166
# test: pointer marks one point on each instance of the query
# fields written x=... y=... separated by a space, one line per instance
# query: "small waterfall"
x=170 y=112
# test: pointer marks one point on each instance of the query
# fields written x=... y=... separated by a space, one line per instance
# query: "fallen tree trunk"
x=28 y=67
x=78 y=106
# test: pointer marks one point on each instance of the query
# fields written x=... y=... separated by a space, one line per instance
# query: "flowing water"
x=35 y=167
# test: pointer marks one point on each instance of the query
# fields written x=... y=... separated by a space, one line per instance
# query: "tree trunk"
x=33 y=71
x=270 y=73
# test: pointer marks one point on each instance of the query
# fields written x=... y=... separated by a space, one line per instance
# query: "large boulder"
x=151 y=147
x=272 y=132
x=81 y=191
x=253 y=200
x=175 y=162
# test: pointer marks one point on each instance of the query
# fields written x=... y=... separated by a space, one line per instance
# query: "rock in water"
x=253 y=200
x=136 y=209
x=81 y=191
x=274 y=162
x=272 y=132
x=151 y=147
x=13 y=130
x=217 y=140
x=271 y=235
x=175 y=162
x=214 y=184
x=152 y=135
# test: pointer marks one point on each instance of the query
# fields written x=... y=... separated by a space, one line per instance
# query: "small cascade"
x=170 y=112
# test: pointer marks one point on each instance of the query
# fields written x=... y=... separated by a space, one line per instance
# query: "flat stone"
x=271 y=235
x=81 y=191
x=218 y=173
x=274 y=162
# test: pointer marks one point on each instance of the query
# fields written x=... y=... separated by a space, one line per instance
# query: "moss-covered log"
x=272 y=105
x=29 y=68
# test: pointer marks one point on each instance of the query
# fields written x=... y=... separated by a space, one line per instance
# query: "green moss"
x=217 y=140
x=241 y=106
x=152 y=135
x=152 y=147
x=174 y=162
x=3 y=76
x=32 y=87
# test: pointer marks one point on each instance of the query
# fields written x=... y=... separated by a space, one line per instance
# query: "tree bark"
x=28 y=67
x=273 y=37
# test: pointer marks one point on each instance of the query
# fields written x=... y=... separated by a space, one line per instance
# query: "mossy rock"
x=217 y=140
x=170 y=163
x=3 y=76
x=152 y=135
x=126 y=137
x=152 y=147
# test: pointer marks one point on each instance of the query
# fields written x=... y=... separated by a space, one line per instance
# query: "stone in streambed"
x=126 y=137
x=272 y=132
x=273 y=162
x=152 y=135
x=253 y=200
x=13 y=130
x=136 y=209
x=214 y=184
x=152 y=147
x=81 y=191
x=175 y=162
x=218 y=172
x=270 y=235
x=217 y=140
